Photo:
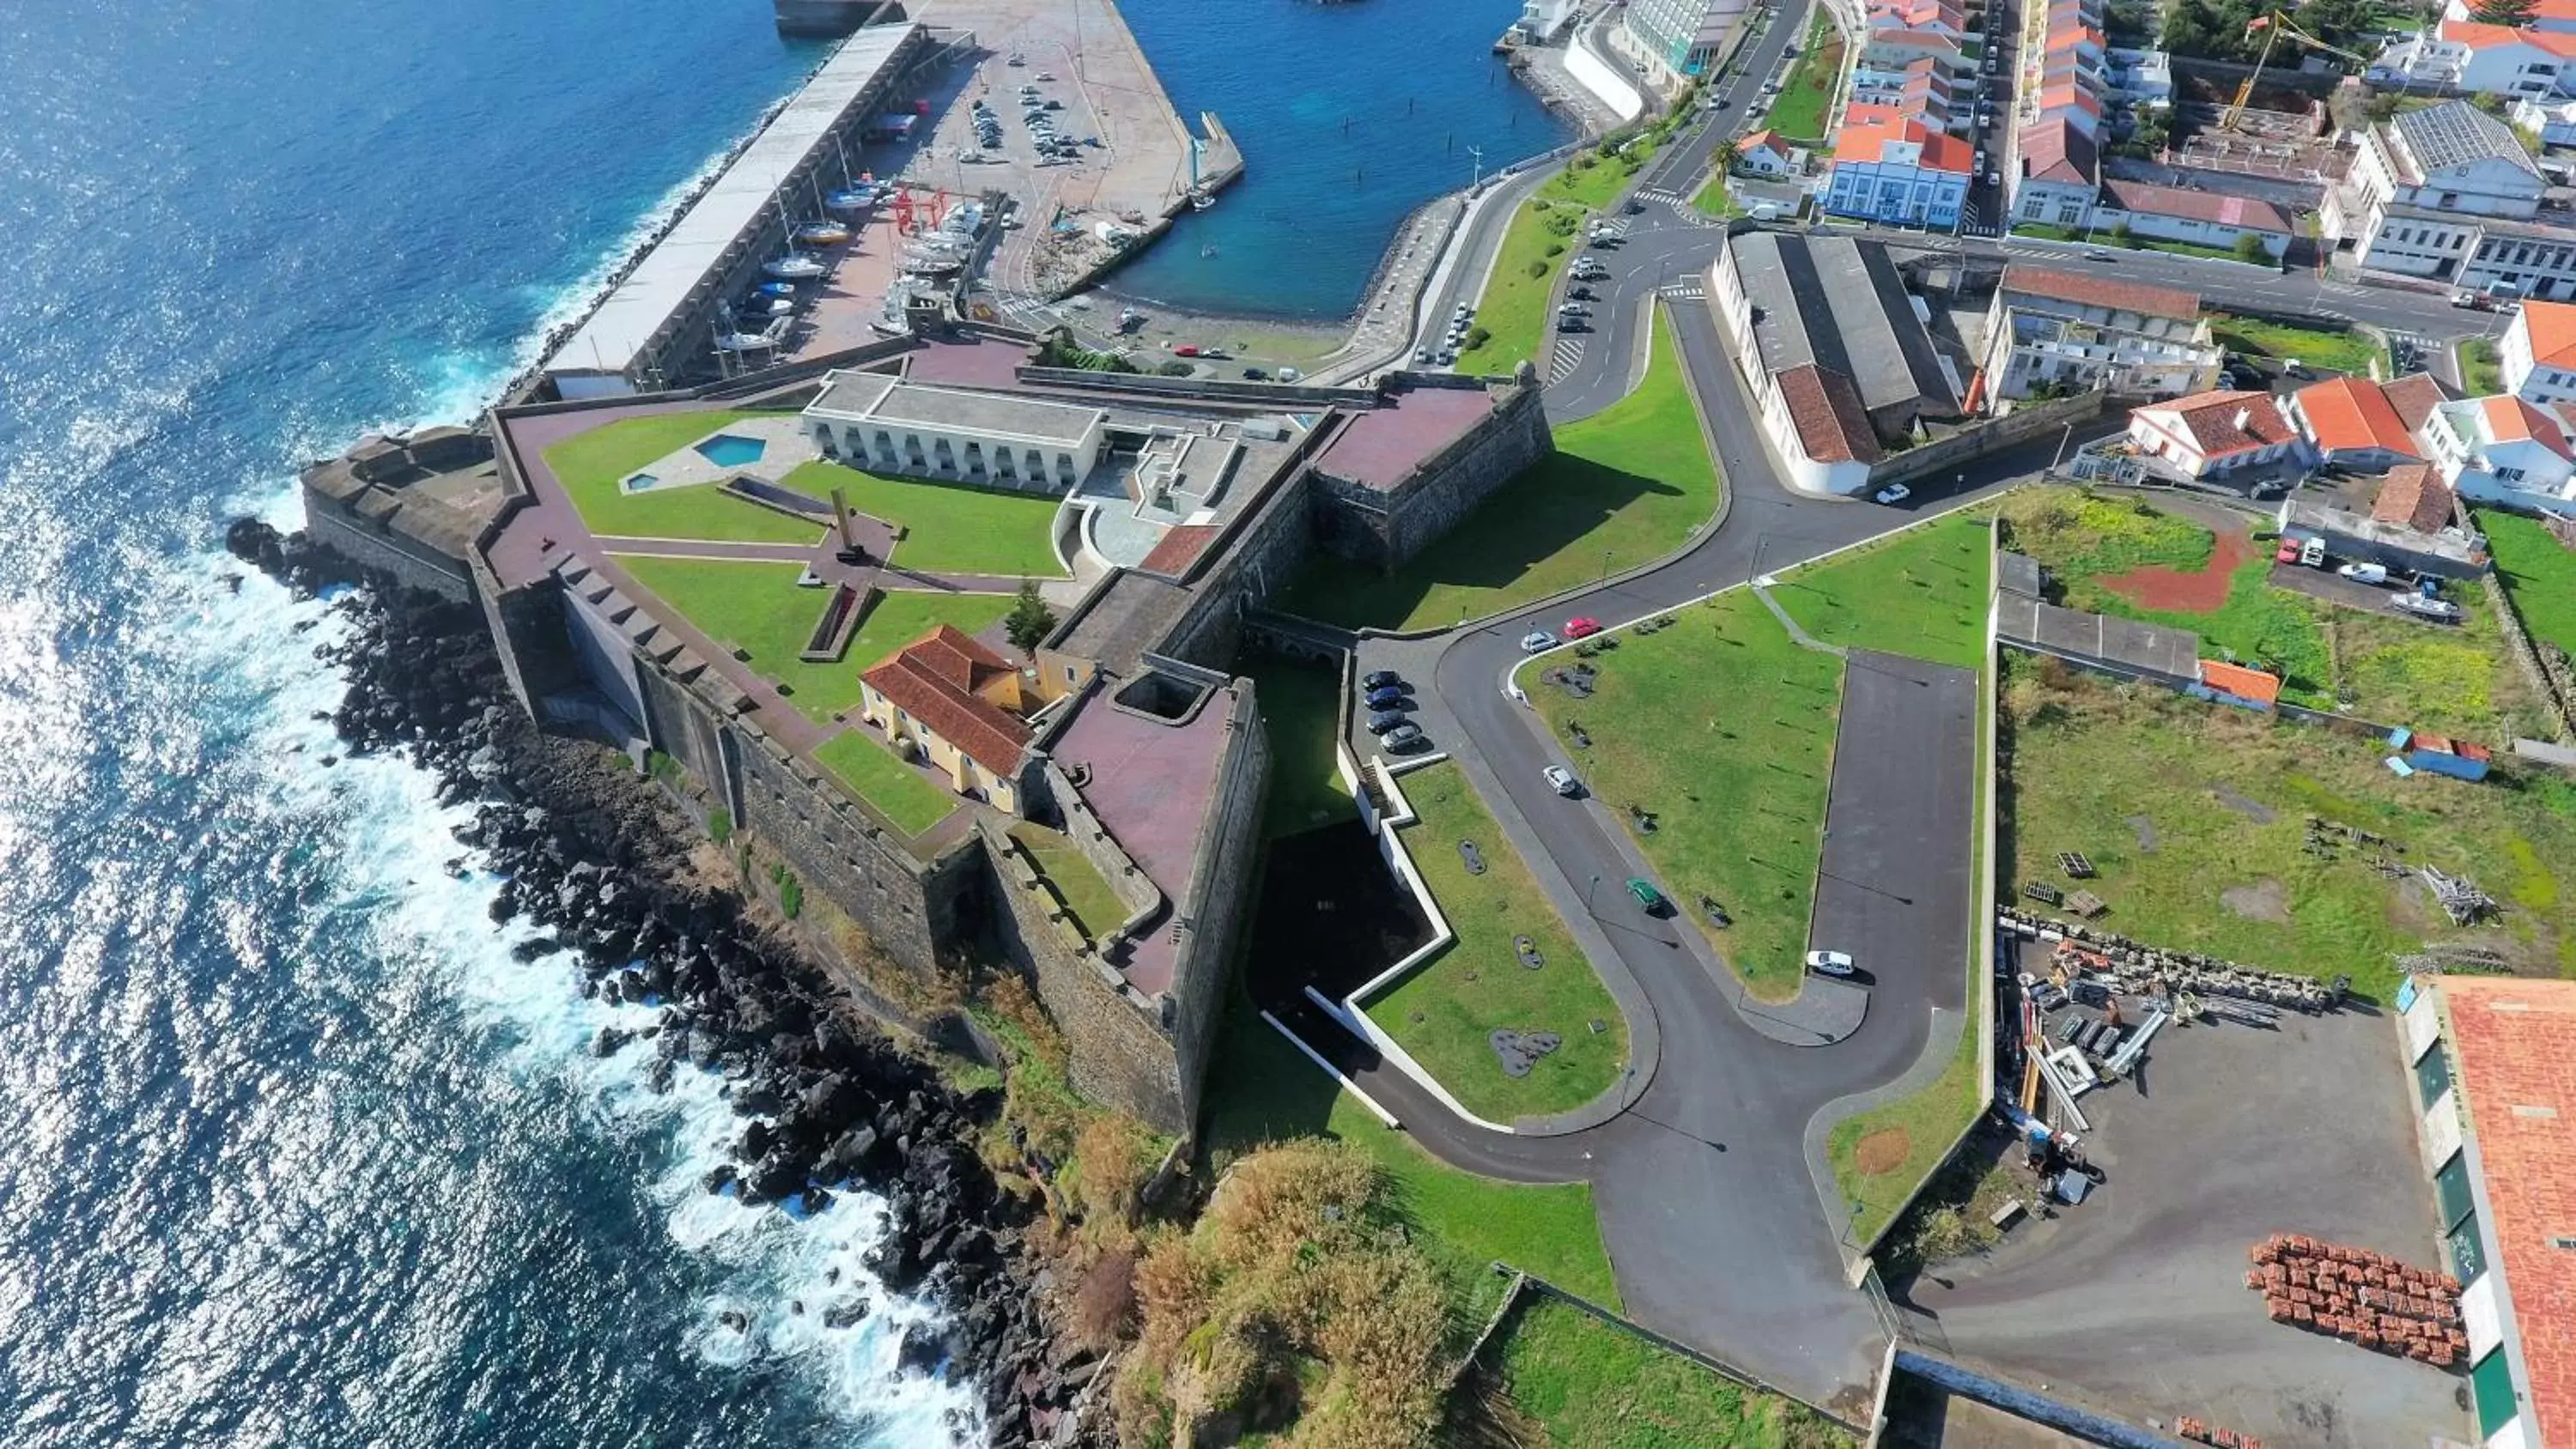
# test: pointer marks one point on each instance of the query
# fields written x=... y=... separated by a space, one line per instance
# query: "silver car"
x=1536 y=641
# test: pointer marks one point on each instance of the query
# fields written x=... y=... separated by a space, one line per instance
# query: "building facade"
x=2074 y=332
x=1676 y=39
x=2448 y=193
x=2481 y=59
x=1903 y=173
x=960 y=707
x=2503 y=450
x=876 y=421
x=2214 y=432
x=2539 y=352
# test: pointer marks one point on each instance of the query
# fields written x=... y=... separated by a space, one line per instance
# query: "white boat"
x=822 y=234
x=1201 y=201
x=795 y=267
x=767 y=337
x=856 y=198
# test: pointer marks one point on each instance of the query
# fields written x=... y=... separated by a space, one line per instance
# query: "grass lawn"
x=2481 y=367
x=1096 y=908
x=1808 y=93
x=1715 y=200
x=757 y=606
x=2044 y=232
x=2081 y=534
x=1264 y=1090
x=861 y=761
x=2197 y=249
x=2538 y=572
x=2318 y=348
x=949 y=528
x=1724 y=730
x=591 y=465
x=1444 y=1011
x=1592 y=1385
x=1300 y=707
x=1922 y=591
x=1625 y=486
x=1545 y=233
x=2133 y=781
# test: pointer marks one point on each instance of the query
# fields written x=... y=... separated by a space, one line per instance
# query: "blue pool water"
x=725 y=450
x=1349 y=117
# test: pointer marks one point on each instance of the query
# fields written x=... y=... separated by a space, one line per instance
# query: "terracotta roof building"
x=2214 y=432
x=2350 y=420
x=2539 y=350
x=2048 y=329
x=2414 y=497
x=959 y=704
x=2495 y=1077
x=2414 y=396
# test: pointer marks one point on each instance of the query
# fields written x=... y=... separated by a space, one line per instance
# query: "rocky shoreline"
x=596 y=858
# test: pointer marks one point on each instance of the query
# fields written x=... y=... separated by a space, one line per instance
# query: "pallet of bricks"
x=2360 y=1296
x=2199 y=1433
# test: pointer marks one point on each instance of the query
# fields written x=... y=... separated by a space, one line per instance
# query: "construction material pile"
x=2196 y=1432
x=2134 y=968
x=2360 y=1296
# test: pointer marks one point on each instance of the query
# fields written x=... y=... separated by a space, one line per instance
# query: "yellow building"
x=961 y=705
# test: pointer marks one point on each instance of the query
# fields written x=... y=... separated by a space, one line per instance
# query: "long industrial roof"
x=660 y=286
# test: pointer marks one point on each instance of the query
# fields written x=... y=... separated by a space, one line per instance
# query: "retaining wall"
x=1385 y=527
x=2011 y=430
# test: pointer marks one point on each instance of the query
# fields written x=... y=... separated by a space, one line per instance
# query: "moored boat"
x=822 y=234
x=795 y=267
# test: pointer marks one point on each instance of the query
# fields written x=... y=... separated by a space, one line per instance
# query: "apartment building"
x=2539 y=353
x=1901 y=172
x=2075 y=331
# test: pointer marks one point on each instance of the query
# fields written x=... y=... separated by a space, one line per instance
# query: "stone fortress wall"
x=1387 y=527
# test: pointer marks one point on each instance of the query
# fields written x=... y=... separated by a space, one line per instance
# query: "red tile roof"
x=2479 y=36
x=2514 y=1051
x=2245 y=212
x=2551 y=327
x=2095 y=291
x=2511 y=420
x=2414 y=497
x=2055 y=150
x=2350 y=414
x=2211 y=421
x=1869 y=142
x=1762 y=140
x=1178 y=548
x=2414 y=396
x=1832 y=425
x=935 y=679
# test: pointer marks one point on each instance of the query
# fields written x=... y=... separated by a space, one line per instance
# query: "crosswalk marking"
x=1685 y=291
x=1657 y=193
x=1563 y=358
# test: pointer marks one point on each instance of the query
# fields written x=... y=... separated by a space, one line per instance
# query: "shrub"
x=1536 y=270
x=720 y=824
x=1104 y=1302
x=1477 y=337
x=791 y=891
x=2250 y=248
x=1030 y=618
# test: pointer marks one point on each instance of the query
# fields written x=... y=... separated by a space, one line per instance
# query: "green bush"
x=1477 y=337
x=1536 y=270
x=720 y=825
x=1175 y=368
x=2250 y=248
x=662 y=768
x=791 y=891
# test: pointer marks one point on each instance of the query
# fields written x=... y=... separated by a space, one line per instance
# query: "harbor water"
x=298 y=1153
x=1349 y=116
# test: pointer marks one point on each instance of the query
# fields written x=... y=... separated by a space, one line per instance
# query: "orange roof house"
x=2414 y=497
x=960 y=703
x=2351 y=419
x=2552 y=328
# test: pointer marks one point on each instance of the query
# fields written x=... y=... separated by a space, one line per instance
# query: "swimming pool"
x=731 y=450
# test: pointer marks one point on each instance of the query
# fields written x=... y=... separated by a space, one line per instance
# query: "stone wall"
x=2011 y=430
x=1386 y=527
x=373 y=537
x=1258 y=563
x=1222 y=888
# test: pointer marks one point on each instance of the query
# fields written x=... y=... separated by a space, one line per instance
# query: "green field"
x=2080 y=533
x=1264 y=1090
x=2134 y=781
x=1544 y=235
x=1723 y=729
x=1300 y=708
x=909 y=802
x=2538 y=573
x=1443 y=1012
x=1095 y=907
x=1592 y=1385
x=1808 y=94
x=1922 y=591
x=949 y=528
x=759 y=608
x=591 y=466
x=1624 y=487
x=2319 y=349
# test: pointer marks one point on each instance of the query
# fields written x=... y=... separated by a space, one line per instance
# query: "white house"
x=2214 y=432
x=2557 y=16
x=2553 y=120
x=2496 y=60
x=2503 y=450
x=2539 y=353
x=1763 y=153
x=2077 y=330
x=1542 y=20
x=2054 y=181
x=1902 y=172
x=2207 y=218
x=881 y=423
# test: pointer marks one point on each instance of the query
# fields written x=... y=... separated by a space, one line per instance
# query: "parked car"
x=1893 y=493
x=1647 y=896
x=1402 y=737
x=1562 y=781
x=2098 y=254
x=2365 y=573
x=1581 y=626
x=1186 y=349
x=1537 y=640
x=1387 y=698
x=1254 y=374
x=1829 y=963
x=1380 y=679
x=1385 y=720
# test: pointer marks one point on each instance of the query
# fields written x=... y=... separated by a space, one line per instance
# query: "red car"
x=1580 y=625
x=1186 y=349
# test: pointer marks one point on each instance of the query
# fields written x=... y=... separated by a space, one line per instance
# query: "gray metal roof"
x=1839 y=303
x=874 y=397
x=2456 y=133
x=660 y=287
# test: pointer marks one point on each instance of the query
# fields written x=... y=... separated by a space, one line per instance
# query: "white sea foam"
x=397 y=844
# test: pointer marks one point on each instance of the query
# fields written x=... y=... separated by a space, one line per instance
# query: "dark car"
x=1254 y=374
x=1578 y=294
x=1380 y=679
x=1403 y=737
x=1387 y=698
x=1384 y=720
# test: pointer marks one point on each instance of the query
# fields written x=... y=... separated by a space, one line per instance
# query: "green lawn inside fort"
x=757 y=607
x=949 y=528
x=2195 y=819
x=1300 y=707
x=860 y=760
x=2538 y=573
x=1543 y=236
x=2458 y=678
x=1444 y=1012
x=1626 y=486
x=1096 y=908
x=1588 y=1384
x=593 y=465
x=2319 y=349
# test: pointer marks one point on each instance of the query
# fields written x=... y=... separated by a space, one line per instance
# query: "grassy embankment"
x=948 y=528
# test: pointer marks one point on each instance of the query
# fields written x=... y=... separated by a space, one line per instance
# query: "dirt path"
x=2200 y=592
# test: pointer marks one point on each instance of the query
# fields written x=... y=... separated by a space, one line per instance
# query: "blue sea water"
x=1349 y=116
x=292 y=1152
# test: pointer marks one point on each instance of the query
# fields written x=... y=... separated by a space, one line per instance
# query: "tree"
x=1727 y=154
x=2250 y=248
x=1030 y=618
x=2515 y=13
x=2121 y=235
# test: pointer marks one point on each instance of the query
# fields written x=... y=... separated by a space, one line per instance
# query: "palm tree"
x=1727 y=154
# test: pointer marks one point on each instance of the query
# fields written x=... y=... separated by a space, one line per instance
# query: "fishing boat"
x=774 y=289
x=795 y=267
x=856 y=198
x=822 y=234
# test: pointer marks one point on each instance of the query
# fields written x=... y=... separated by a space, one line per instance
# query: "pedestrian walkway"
x=1803 y=639
x=1689 y=291
x=1563 y=358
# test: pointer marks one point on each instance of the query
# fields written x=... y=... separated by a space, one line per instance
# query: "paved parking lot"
x=2134 y=1304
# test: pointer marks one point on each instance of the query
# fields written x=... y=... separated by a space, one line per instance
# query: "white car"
x=1893 y=493
x=2365 y=573
x=1562 y=781
x=1537 y=640
x=1829 y=963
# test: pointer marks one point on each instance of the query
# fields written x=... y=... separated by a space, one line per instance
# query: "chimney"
x=2243 y=416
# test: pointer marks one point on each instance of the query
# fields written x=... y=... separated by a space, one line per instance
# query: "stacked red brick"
x=2360 y=1296
x=2200 y=1433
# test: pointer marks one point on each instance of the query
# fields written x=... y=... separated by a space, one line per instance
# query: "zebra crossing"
x=1685 y=291
x=1563 y=358
x=1672 y=199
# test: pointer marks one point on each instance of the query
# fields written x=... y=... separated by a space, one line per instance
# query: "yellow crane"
x=2274 y=26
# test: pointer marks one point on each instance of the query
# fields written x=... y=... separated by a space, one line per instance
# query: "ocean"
x=297 y=1154
x=1349 y=116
